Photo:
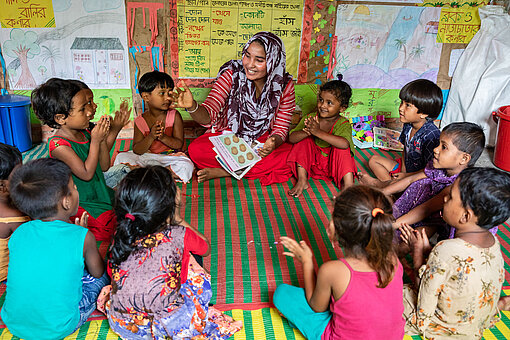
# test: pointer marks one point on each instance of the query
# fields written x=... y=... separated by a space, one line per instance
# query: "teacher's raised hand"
x=183 y=98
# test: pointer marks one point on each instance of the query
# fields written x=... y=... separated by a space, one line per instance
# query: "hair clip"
x=131 y=217
x=376 y=211
x=340 y=76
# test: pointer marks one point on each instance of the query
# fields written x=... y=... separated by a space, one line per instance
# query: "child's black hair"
x=468 y=138
x=425 y=95
x=54 y=97
x=148 y=195
x=37 y=187
x=80 y=84
x=150 y=80
x=363 y=235
x=9 y=158
x=340 y=89
x=486 y=191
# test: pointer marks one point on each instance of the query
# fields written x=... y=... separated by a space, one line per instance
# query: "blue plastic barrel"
x=15 y=121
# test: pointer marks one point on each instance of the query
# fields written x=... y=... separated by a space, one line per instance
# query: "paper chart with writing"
x=236 y=153
x=27 y=14
x=458 y=25
x=214 y=32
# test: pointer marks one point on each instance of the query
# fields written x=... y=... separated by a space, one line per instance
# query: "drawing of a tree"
x=23 y=46
x=416 y=53
x=51 y=53
x=401 y=43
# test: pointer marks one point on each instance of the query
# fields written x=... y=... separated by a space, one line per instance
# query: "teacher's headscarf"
x=250 y=117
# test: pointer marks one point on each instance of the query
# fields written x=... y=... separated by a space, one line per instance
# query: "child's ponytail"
x=380 y=246
x=363 y=224
x=144 y=201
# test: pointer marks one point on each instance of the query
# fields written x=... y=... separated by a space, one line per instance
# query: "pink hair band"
x=131 y=217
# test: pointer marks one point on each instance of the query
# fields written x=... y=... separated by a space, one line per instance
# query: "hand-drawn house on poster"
x=98 y=61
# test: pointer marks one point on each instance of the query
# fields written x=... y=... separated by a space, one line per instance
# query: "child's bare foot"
x=298 y=189
x=210 y=173
x=366 y=179
x=504 y=303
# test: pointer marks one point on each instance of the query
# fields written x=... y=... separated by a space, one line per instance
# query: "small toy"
x=362 y=129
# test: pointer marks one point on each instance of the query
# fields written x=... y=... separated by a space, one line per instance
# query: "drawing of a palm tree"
x=416 y=53
x=401 y=43
x=51 y=53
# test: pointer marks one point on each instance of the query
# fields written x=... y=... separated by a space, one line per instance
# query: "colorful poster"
x=89 y=43
x=27 y=14
x=213 y=32
x=386 y=46
x=458 y=25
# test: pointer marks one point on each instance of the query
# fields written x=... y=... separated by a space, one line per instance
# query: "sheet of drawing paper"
x=213 y=32
x=27 y=14
x=386 y=46
x=88 y=43
x=458 y=25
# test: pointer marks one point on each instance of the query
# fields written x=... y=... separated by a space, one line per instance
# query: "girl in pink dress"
x=360 y=295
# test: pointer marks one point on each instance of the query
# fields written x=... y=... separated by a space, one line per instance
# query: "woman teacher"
x=252 y=97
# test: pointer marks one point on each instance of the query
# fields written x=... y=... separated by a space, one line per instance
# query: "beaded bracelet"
x=195 y=110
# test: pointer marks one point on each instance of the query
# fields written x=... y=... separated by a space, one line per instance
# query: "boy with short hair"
x=159 y=131
x=460 y=146
x=421 y=103
x=50 y=292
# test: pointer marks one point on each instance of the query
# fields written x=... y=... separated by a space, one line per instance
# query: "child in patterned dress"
x=152 y=294
x=459 y=286
x=423 y=192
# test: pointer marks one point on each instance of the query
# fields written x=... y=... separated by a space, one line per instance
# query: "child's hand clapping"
x=100 y=131
x=312 y=125
x=83 y=220
x=417 y=240
x=121 y=117
x=299 y=251
x=157 y=130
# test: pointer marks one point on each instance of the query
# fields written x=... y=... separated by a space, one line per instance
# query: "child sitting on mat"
x=459 y=286
x=356 y=297
x=115 y=173
x=419 y=206
x=50 y=292
x=152 y=294
x=64 y=105
x=323 y=147
x=10 y=217
x=421 y=103
x=159 y=131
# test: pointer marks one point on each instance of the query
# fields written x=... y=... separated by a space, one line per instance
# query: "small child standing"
x=461 y=144
x=159 y=131
x=323 y=147
x=152 y=296
x=50 y=292
x=64 y=105
x=356 y=297
x=10 y=217
x=460 y=284
x=421 y=103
